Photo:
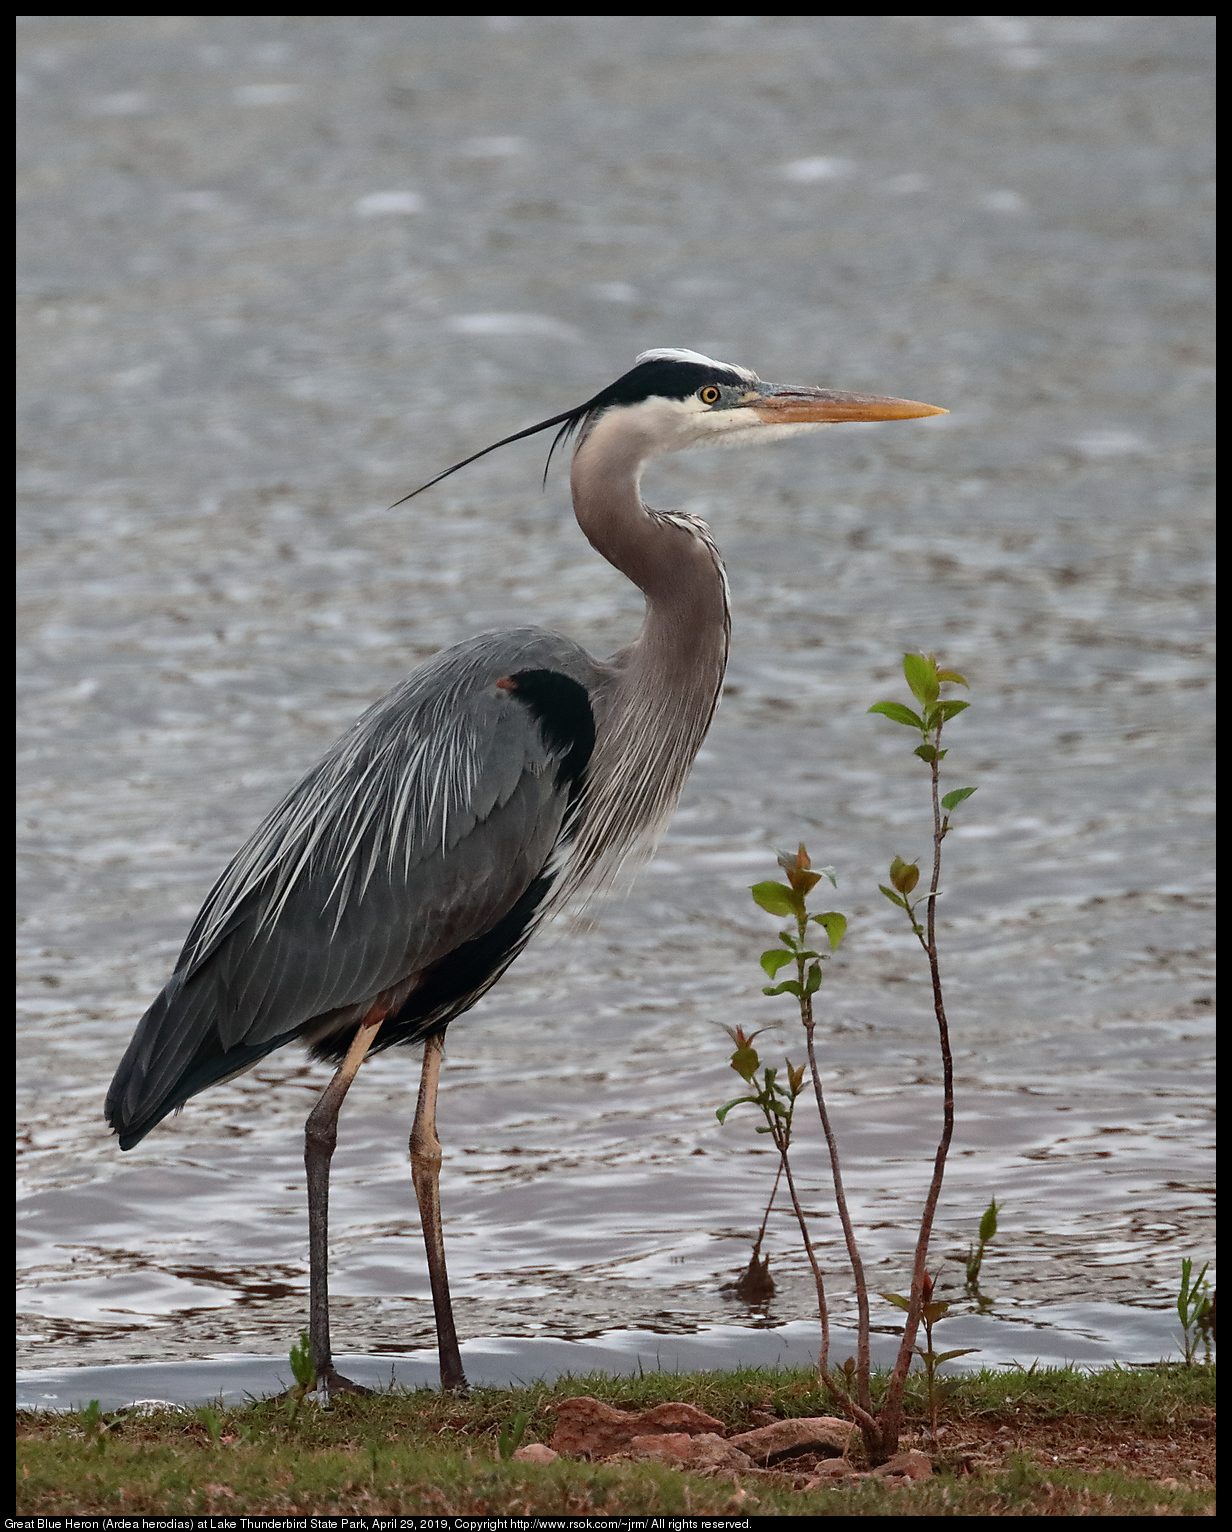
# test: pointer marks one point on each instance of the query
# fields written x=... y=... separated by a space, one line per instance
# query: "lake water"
x=278 y=272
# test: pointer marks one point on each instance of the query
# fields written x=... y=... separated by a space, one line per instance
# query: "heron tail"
x=170 y=1059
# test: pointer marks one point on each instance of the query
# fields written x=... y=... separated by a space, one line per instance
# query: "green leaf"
x=953 y=705
x=745 y=1062
x=988 y=1224
x=952 y=800
x=898 y=713
x=776 y=898
x=932 y=1312
x=739 y=1101
x=892 y=896
x=921 y=676
x=812 y=982
x=788 y=987
x=904 y=875
x=835 y=927
x=951 y=675
x=926 y=752
x=948 y=1356
x=897 y=1300
x=773 y=960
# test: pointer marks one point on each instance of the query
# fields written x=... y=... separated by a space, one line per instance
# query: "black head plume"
x=667 y=374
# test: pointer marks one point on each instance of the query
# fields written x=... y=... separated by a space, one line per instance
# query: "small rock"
x=910 y=1464
x=702 y=1452
x=790 y=1438
x=831 y=1473
x=679 y=1417
x=675 y=1445
x=588 y=1428
x=535 y=1452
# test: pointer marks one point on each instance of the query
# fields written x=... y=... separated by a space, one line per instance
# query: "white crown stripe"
x=680 y=354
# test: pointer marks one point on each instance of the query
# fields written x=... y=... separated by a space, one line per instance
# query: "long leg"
x=426 y=1174
x=320 y=1136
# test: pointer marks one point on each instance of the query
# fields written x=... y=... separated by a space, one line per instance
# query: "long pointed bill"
x=822 y=406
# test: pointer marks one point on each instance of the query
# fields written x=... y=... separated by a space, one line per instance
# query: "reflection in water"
x=232 y=372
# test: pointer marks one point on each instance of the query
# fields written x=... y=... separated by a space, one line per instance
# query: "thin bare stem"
x=849 y=1233
x=860 y=1414
x=761 y=1233
x=892 y=1409
x=822 y=1307
x=862 y=1407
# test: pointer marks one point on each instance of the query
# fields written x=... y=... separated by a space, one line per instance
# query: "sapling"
x=777 y=1104
x=304 y=1372
x=925 y=678
x=512 y=1433
x=851 y=1386
x=94 y=1426
x=975 y=1253
x=302 y=1369
x=1196 y=1309
x=212 y=1421
x=933 y=1311
x=791 y=900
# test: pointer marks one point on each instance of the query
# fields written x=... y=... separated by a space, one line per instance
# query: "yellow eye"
x=709 y=394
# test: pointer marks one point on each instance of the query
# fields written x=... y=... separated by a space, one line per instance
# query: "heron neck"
x=676 y=567
x=660 y=695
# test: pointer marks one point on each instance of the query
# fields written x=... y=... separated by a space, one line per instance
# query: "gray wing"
x=421 y=827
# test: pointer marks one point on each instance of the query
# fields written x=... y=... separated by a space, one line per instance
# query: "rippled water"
x=276 y=272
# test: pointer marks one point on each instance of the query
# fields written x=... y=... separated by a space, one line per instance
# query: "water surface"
x=277 y=272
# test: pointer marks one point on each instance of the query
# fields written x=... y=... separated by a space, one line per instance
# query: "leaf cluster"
x=791 y=899
x=932 y=1311
x=925 y=679
x=775 y=1101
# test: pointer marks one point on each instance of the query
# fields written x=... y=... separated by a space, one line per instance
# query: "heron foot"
x=332 y=1382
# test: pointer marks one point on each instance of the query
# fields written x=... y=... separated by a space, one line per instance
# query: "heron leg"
x=426 y=1174
x=320 y=1136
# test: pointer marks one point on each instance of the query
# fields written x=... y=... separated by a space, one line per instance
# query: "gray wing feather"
x=417 y=832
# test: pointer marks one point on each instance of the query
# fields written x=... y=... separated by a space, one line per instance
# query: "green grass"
x=420 y=1452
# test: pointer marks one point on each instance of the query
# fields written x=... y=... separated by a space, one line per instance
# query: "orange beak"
x=799 y=406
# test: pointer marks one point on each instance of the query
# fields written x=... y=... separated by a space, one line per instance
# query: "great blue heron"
x=397 y=882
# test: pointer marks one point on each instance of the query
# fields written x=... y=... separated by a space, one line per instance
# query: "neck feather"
x=665 y=686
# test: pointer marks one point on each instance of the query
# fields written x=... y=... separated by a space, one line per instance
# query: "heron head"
x=671 y=399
